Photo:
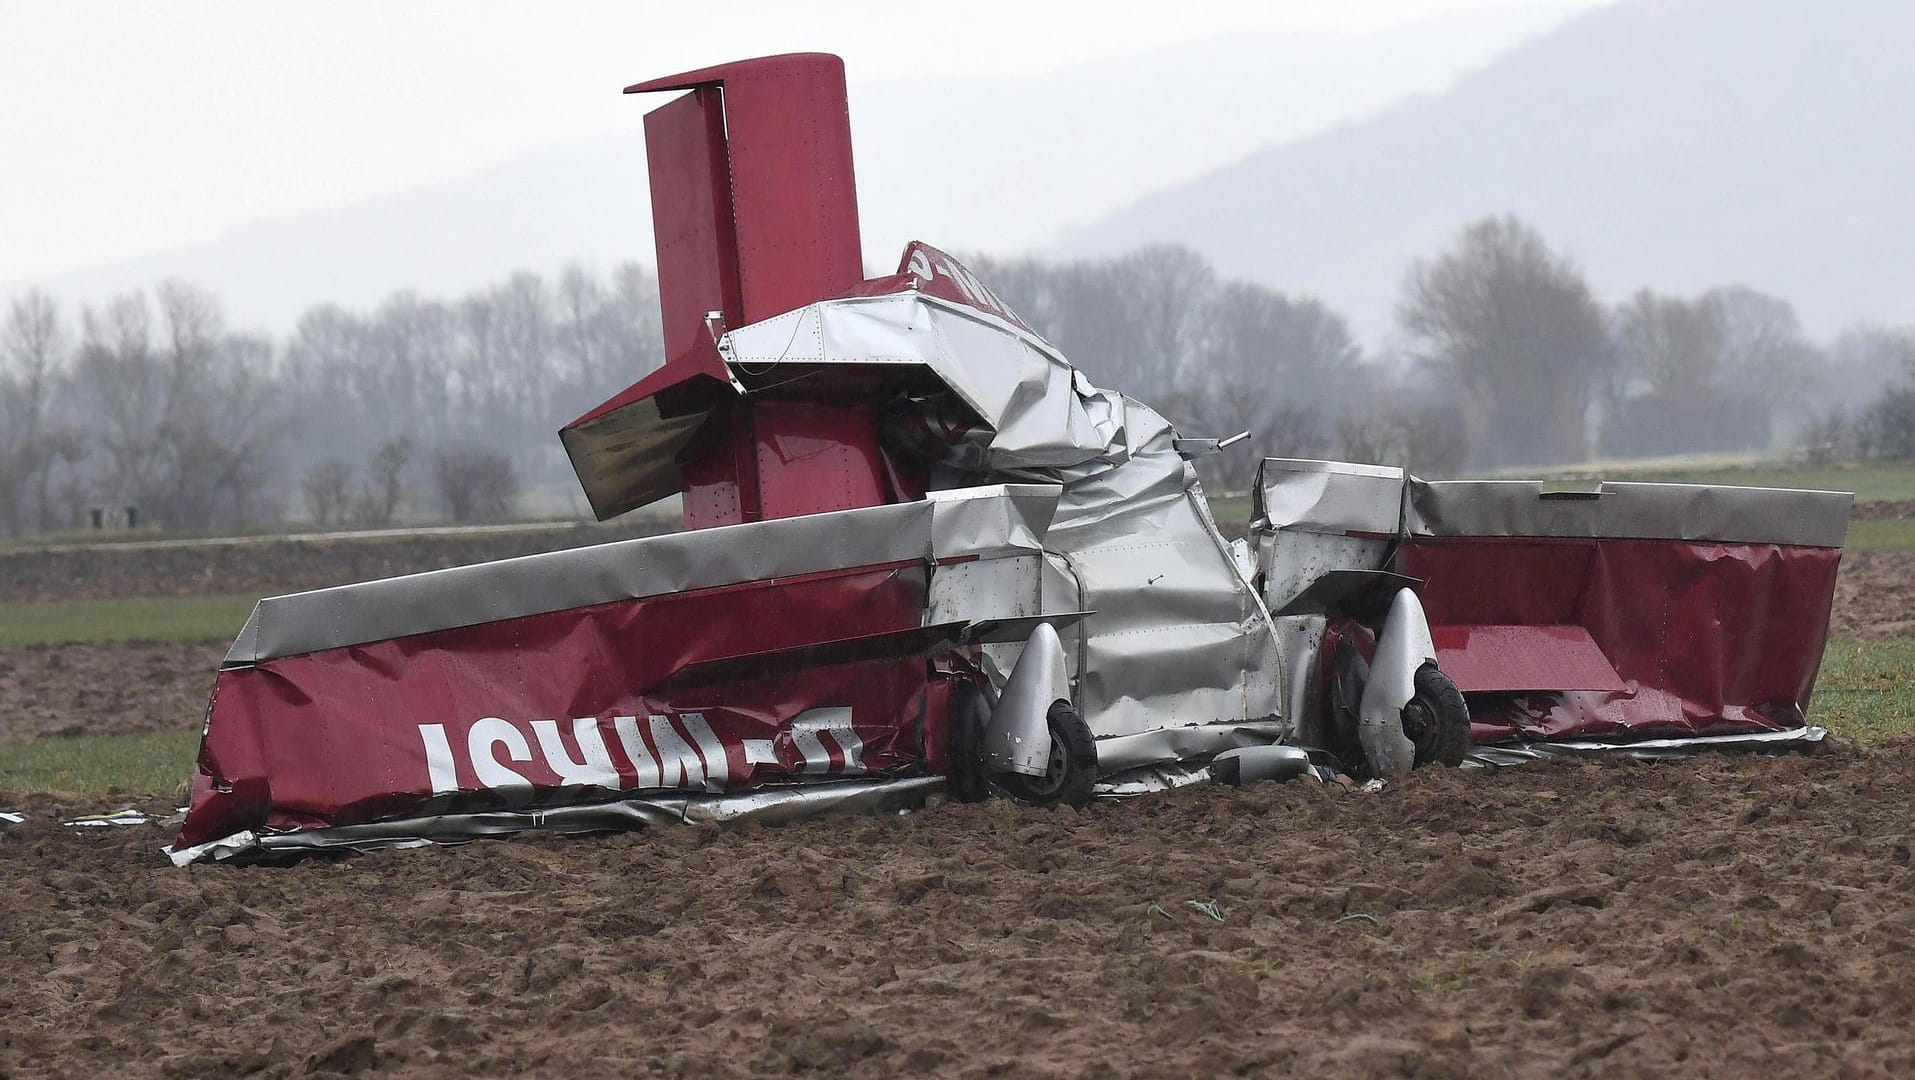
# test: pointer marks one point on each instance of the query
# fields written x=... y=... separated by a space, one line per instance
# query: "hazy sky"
x=132 y=128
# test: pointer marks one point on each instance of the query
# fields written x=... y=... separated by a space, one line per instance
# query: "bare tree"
x=1266 y=363
x=1426 y=439
x=328 y=490
x=1764 y=351
x=1674 y=345
x=121 y=379
x=474 y=483
x=33 y=344
x=185 y=410
x=385 y=486
x=1515 y=325
x=1130 y=322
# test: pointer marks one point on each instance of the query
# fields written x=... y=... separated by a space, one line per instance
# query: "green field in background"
x=1878 y=481
x=155 y=763
x=1889 y=534
x=1873 y=481
x=135 y=618
x=1867 y=688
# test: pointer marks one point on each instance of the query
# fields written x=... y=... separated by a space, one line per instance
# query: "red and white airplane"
x=924 y=554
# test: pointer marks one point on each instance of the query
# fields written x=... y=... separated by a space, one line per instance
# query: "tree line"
x=421 y=407
x=151 y=406
x=1502 y=356
x=1543 y=373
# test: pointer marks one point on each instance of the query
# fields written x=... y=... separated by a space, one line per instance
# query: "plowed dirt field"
x=1722 y=917
x=1728 y=916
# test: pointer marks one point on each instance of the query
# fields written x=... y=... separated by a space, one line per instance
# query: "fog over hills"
x=1676 y=144
x=992 y=165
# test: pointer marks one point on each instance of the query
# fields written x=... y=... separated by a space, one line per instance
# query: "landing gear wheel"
x=1437 y=720
x=969 y=714
x=1072 y=767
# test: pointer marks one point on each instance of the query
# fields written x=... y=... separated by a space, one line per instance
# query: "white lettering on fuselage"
x=679 y=752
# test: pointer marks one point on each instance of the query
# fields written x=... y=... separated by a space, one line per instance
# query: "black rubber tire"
x=1073 y=764
x=966 y=781
x=1437 y=719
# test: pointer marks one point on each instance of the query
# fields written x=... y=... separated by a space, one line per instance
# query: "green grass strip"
x=1888 y=534
x=1867 y=688
x=149 y=763
x=137 y=618
x=1875 y=481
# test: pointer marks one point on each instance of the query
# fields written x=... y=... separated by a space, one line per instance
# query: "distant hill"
x=1677 y=144
x=1000 y=165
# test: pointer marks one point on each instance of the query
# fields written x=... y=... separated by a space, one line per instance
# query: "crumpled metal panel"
x=379 y=701
x=1195 y=742
x=1041 y=412
x=572 y=706
x=121 y=818
x=1179 y=638
x=1523 y=752
x=1706 y=609
x=1707 y=638
x=1327 y=496
x=1630 y=511
x=987 y=521
x=991 y=522
x=1341 y=497
x=770 y=806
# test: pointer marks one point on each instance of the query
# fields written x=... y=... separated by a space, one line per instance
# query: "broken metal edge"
x=984 y=521
x=776 y=806
x=1498 y=755
x=770 y=806
x=1336 y=497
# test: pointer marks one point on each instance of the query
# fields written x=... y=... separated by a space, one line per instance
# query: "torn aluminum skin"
x=116 y=819
x=769 y=806
x=1625 y=612
x=1179 y=658
x=992 y=522
x=1498 y=755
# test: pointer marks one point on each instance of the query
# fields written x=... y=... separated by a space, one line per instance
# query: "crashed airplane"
x=923 y=554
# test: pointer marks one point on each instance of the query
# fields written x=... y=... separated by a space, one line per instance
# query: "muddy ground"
x=105 y=689
x=1875 y=595
x=1722 y=917
x=266 y=566
x=1728 y=916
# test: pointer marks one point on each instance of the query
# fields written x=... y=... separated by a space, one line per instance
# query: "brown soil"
x=268 y=567
x=1729 y=916
x=1875 y=595
x=105 y=689
x=1883 y=510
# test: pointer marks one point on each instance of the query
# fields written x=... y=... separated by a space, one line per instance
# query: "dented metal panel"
x=1178 y=636
x=1630 y=611
x=770 y=806
x=1631 y=511
x=981 y=521
x=1327 y=496
x=1774 y=742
